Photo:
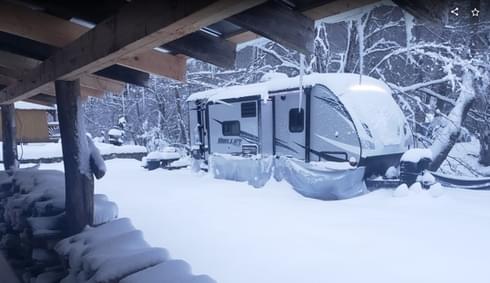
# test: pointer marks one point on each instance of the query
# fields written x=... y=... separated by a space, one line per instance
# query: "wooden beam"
x=44 y=99
x=9 y=145
x=336 y=7
x=243 y=37
x=151 y=61
x=205 y=47
x=138 y=27
x=57 y=32
x=100 y=83
x=11 y=61
x=6 y=80
x=279 y=23
x=79 y=181
x=128 y=75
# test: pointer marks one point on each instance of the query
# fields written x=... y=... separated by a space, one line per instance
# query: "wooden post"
x=9 y=137
x=79 y=181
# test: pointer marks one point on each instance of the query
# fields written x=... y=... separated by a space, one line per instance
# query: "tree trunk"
x=485 y=147
x=448 y=135
x=183 y=136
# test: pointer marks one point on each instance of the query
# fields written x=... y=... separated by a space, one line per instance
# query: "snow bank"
x=34 y=151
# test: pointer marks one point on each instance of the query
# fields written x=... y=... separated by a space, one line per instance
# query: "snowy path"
x=239 y=234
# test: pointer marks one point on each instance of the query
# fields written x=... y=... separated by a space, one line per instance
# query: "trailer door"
x=290 y=125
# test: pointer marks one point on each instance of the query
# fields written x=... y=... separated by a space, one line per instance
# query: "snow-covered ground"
x=236 y=233
x=53 y=150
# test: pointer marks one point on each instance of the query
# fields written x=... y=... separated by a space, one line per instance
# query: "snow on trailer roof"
x=23 y=105
x=339 y=83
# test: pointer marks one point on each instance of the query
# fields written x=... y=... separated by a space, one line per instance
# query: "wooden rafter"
x=23 y=64
x=138 y=27
x=57 y=32
x=279 y=23
x=205 y=47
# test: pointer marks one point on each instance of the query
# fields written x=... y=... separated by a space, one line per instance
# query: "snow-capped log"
x=97 y=164
x=448 y=135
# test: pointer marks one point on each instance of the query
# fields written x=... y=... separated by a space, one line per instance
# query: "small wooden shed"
x=31 y=121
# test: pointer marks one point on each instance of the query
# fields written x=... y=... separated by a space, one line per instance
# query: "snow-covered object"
x=255 y=171
x=414 y=155
x=416 y=187
x=401 y=191
x=436 y=190
x=97 y=164
x=53 y=150
x=23 y=105
x=115 y=132
x=104 y=210
x=428 y=179
x=320 y=184
x=391 y=173
x=380 y=123
x=116 y=250
x=168 y=153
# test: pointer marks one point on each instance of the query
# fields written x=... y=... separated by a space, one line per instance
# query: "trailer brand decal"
x=244 y=135
x=235 y=142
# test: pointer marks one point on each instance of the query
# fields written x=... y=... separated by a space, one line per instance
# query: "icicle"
x=301 y=74
x=360 y=32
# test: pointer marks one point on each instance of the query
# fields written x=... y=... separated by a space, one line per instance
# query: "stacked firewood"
x=32 y=205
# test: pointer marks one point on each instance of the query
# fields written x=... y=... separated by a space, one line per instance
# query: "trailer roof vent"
x=273 y=76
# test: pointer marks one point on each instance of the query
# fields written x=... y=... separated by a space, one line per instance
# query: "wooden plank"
x=9 y=145
x=151 y=61
x=279 y=23
x=100 y=83
x=138 y=27
x=243 y=37
x=43 y=99
x=205 y=47
x=122 y=73
x=38 y=26
x=336 y=7
x=11 y=61
x=79 y=181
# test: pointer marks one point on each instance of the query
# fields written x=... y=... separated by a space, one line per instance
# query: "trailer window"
x=230 y=128
x=296 y=120
x=249 y=109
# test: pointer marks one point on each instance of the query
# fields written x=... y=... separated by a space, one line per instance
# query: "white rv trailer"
x=338 y=117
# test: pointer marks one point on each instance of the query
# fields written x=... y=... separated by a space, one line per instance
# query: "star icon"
x=475 y=12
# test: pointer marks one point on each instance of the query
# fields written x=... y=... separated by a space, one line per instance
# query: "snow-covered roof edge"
x=23 y=105
x=339 y=83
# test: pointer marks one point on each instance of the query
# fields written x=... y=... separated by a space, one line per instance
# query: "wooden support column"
x=79 y=181
x=9 y=137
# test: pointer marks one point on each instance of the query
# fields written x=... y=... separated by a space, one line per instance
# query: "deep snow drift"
x=236 y=233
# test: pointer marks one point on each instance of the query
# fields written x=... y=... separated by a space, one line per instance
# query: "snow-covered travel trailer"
x=338 y=117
